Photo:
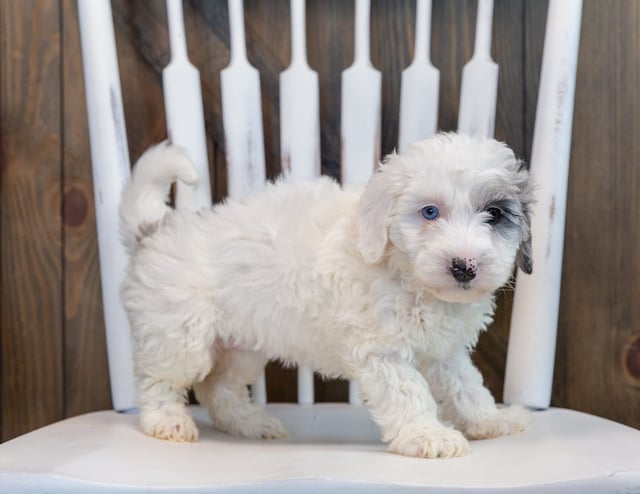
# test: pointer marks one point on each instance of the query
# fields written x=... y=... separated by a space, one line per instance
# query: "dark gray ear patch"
x=524 y=259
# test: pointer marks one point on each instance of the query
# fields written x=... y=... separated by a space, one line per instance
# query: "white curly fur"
x=352 y=284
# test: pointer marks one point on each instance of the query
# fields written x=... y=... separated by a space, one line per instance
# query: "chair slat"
x=479 y=89
x=110 y=168
x=419 y=86
x=532 y=341
x=259 y=389
x=306 y=386
x=299 y=106
x=185 y=114
x=242 y=113
x=360 y=108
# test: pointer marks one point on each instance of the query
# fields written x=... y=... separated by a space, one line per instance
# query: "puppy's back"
x=249 y=246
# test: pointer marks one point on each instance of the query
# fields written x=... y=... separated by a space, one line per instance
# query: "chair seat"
x=331 y=447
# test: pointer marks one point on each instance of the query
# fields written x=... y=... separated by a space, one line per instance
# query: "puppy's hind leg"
x=164 y=372
x=225 y=394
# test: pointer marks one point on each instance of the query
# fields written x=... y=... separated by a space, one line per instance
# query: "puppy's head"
x=454 y=211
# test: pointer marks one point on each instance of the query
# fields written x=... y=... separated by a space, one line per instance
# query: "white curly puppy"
x=390 y=287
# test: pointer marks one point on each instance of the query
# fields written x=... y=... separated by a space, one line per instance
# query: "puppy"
x=389 y=286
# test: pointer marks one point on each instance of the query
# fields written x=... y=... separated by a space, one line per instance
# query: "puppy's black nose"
x=463 y=270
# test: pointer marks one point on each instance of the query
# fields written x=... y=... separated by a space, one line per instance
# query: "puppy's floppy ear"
x=524 y=257
x=373 y=216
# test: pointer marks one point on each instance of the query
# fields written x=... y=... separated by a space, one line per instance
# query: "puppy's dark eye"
x=495 y=214
x=430 y=213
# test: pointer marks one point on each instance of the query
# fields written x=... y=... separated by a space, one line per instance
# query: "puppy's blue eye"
x=430 y=213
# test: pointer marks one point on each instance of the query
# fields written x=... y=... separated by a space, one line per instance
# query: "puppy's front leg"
x=400 y=402
x=466 y=403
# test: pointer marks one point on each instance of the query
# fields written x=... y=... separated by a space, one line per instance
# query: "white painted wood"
x=534 y=321
x=242 y=121
x=479 y=91
x=185 y=115
x=259 y=390
x=110 y=168
x=242 y=113
x=331 y=448
x=299 y=106
x=305 y=386
x=419 y=86
x=355 y=397
x=360 y=110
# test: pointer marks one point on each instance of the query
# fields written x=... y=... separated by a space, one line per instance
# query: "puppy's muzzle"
x=463 y=270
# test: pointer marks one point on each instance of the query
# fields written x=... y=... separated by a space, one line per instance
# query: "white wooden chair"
x=333 y=447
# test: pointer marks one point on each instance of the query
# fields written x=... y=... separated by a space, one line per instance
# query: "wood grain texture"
x=50 y=305
x=599 y=309
x=31 y=330
x=86 y=375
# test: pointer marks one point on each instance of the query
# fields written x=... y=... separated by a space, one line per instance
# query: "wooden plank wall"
x=52 y=345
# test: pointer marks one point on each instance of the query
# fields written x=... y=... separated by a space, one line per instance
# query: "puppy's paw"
x=252 y=422
x=172 y=424
x=261 y=425
x=269 y=428
x=504 y=421
x=431 y=443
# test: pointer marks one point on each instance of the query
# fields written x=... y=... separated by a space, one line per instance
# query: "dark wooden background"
x=53 y=361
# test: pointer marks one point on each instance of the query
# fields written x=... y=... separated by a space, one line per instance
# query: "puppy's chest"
x=436 y=327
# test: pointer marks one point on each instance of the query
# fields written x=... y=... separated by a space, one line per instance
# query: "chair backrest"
x=535 y=312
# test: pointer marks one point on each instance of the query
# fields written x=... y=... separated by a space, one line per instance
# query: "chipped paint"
x=242 y=114
x=286 y=163
x=299 y=106
x=552 y=215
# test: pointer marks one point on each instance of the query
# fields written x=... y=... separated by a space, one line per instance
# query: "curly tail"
x=144 y=197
